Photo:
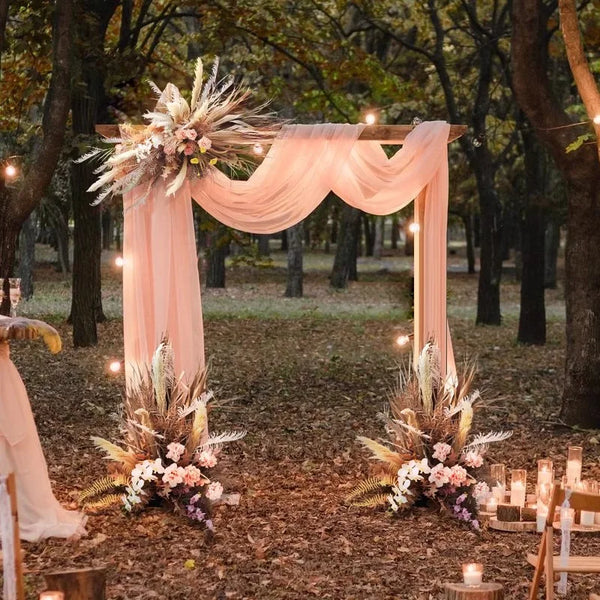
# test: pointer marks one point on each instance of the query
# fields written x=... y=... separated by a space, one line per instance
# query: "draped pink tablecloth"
x=40 y=514
x=161 y=289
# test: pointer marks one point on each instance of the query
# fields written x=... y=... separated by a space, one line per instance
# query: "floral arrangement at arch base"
x=431 y=455
x=167 y=455
x=184 y=138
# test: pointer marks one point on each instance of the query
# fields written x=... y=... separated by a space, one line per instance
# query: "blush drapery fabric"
x=40 y=514
x=161 y=292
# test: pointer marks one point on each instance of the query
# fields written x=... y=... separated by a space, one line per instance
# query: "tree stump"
x=485 y=591
x=78 y=584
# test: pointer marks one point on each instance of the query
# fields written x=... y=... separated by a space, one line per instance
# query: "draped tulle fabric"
x=302 y=166
x=40 y=514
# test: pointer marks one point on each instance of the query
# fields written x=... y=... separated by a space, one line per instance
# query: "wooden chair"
x=546 y=561
x=18 y=566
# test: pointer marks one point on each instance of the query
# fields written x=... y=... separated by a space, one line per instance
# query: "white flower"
x=207 y=458
x=441 y=451
x=472 y=459
x=214 y=491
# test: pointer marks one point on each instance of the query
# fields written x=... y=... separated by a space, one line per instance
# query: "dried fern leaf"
x=103 y=485
x=106 y=502
x=370 y=485
x=372 y=502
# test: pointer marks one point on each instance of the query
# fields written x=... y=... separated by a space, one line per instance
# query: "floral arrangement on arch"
x=430 y=455
x=184 y=139
x=167 y=454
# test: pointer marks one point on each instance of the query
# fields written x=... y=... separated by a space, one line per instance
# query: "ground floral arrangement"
x=167 y=454
x=431 y=455
x=185 y=139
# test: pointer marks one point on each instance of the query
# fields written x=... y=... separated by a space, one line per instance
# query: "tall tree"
x=18 y=201
x=581 y=170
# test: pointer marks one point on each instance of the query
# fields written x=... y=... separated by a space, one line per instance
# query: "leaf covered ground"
x=304 y=383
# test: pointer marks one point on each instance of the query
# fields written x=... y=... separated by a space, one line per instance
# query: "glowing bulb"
x=414 y=227
x=258 y=149
x=370 y=118
x=402 y=340
x=115 y=366
x=119 y=261
x=10 y=171
x=596 y=120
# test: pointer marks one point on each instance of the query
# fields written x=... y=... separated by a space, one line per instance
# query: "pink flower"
x=190 y=148
x=440 y=475
x=204 y=144
x=180 y=134
x=458 y=475
x=191 y=476
x=473 y=459
x=175 y=450
x=441 y=451
x=207 y=459
x=191 y=134
x=173 y=475
x=170 y=147
x=214 y=491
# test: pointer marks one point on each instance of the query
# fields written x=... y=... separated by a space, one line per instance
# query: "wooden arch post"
x=386 y=135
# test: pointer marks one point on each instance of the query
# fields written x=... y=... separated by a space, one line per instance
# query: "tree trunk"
x=490 y=261
x=27 y=256
x=215 y=259
x=61 y=228
x=395 y=233
x=107 y=228
x=294 y=262
x=552 y=244
x=468 y=223
x=263 y=245
x=378 y=241
x=369 y=228
x=284 y=241
x=532 y=316
x=9 y=235
x=345 y=255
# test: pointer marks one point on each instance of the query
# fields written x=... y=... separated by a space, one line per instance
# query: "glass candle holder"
x=472 y=574
x=574 y=461
x=498 y=483
x=52 y=595
x=541 y=516
x=587 y=517
x=518 y=487
x=545 y=472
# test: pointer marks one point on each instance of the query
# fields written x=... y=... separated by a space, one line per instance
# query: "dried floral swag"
x=185 y=139
x=167 y=454
x=431 y=454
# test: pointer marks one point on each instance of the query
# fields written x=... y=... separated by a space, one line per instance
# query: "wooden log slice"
x=508 y=512
x=78 y=584
x=513 y=525
x=485 y=591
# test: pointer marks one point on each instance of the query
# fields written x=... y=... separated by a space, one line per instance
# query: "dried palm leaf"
x=116 y=453
x=383 y=453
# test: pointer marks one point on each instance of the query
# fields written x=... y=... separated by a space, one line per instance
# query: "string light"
x=10 y=171
x=258 y=149
x=414 y=227
x=119 y=261
x=596 y=120
x=403 y=340
x=370 y=118
x=114 y=366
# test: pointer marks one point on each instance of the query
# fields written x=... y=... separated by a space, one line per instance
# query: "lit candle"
x=48 y=595
x=587 y=517
x=472 y=573
x=574 y=459
x=498 y=476
x=545 y=472
x=491 y=505
x=518 y=481
x=541 y=516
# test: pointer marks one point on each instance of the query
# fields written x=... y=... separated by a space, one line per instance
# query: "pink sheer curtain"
x=304 y=163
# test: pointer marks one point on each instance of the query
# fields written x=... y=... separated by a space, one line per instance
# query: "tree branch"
x=3 y=20
x=584 y=80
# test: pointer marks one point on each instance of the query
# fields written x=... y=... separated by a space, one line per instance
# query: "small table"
x=484 y=591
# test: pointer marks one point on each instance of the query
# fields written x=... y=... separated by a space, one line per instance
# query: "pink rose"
x=458 y=476
x=190 y=148
x=214 y=491
x=191 y=134
x=207 y=459
x=180 y=134
x=204 y=144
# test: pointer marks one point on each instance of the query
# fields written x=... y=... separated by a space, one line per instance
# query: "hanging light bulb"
x=119 y=261
x=258 y=149
x=370 y=118
x=414 y=227
x=596 y=120
x=114 y=366
x=403 y=340
x=10 y=171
